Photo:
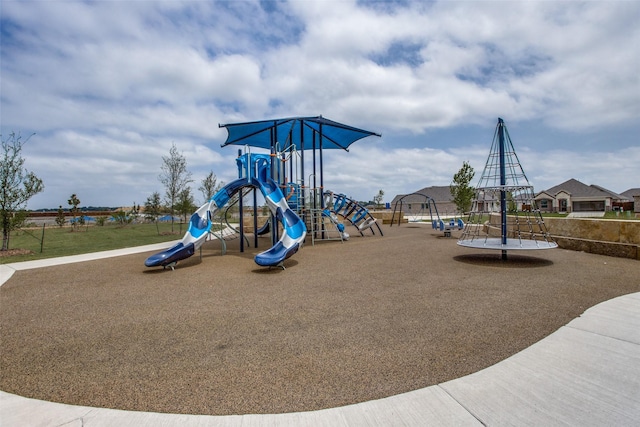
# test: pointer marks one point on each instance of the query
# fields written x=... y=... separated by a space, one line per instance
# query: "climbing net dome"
x=504 y=214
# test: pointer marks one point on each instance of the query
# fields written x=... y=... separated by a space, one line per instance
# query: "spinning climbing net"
x=504 y=215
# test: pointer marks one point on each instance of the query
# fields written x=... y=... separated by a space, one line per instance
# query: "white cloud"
x=109 y=86
x=615 y=170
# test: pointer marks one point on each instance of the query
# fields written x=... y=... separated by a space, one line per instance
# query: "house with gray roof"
x=633 y=195
x=417 y=203
x=570 y=196
x=575 y=196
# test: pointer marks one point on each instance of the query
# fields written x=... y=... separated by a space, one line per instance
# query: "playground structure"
x=253 y=171
x=289 y=142
x=452 y=224
x=437 y=223
x=504 y=215
x=352 y=211
x=428 y=203
x=296 y=206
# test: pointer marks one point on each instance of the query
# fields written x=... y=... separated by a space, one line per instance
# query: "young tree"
x=377 y=199
x=175 y=177
x=17 y=185
x=134 y=212
x=209 y=186
x=121 y=217
x=152 y=208
x=60 y=219
x=461 y=189
x=74 y=202
x=512 y=206
x=185 y=205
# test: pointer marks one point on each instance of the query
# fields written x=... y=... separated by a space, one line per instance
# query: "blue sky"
x=108 y=86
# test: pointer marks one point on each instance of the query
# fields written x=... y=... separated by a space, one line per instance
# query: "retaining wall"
x=618 y=238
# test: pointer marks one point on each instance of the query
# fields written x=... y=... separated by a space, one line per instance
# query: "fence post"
x=42 y=240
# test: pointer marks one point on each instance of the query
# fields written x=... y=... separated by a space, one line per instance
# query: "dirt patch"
x=15 y=252
x=343 y=323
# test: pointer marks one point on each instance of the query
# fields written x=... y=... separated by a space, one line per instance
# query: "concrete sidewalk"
x=7 y=270
x=585 y=374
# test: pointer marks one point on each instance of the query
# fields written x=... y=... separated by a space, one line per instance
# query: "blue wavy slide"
x=255 y=167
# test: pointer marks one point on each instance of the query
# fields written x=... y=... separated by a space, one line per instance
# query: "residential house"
x=633 y=195
x=570 y=196
x=575 y=196
x=417 y=203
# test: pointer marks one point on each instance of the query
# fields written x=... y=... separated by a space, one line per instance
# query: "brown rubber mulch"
x=344 y=323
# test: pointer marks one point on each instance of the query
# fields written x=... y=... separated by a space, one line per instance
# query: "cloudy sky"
x=108 y=86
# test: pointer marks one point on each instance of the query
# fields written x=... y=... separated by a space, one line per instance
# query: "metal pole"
x=321 y=172
x=255 y=217
x=503 y=182
x=42 y=240
x=274 y=140
x=240 y=210
x=302 y=189
x=291 y=153
x=315 y=185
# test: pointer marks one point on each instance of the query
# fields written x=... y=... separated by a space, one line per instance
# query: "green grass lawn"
x=63 y=241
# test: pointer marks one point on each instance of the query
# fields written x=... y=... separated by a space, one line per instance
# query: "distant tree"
x=134 y=212
x=175 y=177
x=122 y=217
x=125 y=217
x=185 y=204
x=74 y=202
x=60 y=218
x=461 y=189
x=377 y=199
x=511 y=203
x=17 y=185
x=152 y=209
x=209 y=186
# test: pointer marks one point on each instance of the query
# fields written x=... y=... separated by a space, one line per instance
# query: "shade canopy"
x=301 y=133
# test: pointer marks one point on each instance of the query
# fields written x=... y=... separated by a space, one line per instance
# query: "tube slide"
x=255 y=168
x=294 y=230
x=199 y=227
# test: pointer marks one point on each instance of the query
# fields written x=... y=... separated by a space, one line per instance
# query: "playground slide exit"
x=253 y=169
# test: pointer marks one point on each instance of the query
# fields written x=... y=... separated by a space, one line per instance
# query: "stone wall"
x=601 y=236
x=608 y=230
x=386 y=216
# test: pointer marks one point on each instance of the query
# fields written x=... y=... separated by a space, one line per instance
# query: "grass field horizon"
x=25 y=244
x=66 y=240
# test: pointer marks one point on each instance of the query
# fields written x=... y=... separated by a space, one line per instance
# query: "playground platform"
x=586 y=373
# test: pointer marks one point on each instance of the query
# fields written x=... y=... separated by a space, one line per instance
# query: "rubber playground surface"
x=344 y=323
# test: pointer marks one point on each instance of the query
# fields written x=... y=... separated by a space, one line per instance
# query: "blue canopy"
x=303 y=133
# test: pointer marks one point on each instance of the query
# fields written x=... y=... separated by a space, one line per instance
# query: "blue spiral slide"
x=254 y=172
